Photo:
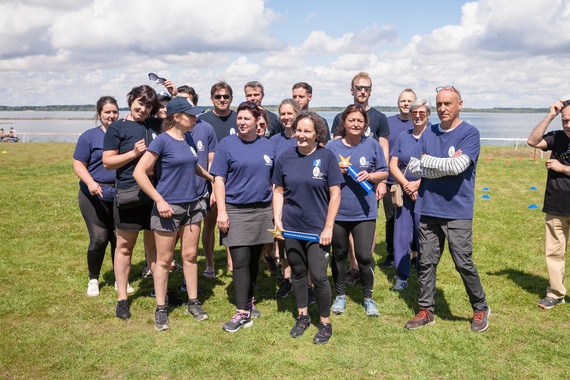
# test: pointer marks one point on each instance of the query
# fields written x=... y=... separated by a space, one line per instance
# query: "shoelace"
x=301 y=321
x=423 y=314
x=239 y=315
x=479 y=315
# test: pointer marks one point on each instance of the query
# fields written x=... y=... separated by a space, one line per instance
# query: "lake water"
x=55 y=126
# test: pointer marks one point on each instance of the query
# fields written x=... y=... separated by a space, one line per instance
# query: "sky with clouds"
x=499 y=53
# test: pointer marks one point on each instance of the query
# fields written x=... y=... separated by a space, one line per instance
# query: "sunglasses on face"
x=365 y=88
x=225 y=96
x=153 y=77
x=418 y=113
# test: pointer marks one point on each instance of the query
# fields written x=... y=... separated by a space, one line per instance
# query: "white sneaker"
x=130 y=289
x=400 y=285
x=93 y=288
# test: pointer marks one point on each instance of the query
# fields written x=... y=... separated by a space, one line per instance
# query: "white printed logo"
x=193 y=151
x=451 y=151
x=200 y=146
x=153 y=135
x=363 y=161
x=232 y=131
x=267 y=159
x=316 y=172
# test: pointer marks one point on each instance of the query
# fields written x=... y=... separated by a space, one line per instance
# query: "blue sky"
x=499 y=53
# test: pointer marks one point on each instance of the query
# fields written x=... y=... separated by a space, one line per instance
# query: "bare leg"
x=165 y=242
x=189 y=237
x=126 y=241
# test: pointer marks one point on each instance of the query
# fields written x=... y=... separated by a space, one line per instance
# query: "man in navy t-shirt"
x=254 y=92
x=449 y=153
x=222 y=118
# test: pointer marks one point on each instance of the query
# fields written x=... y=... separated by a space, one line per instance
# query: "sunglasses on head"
x=448 y=88
x=225 y=96
x=153 y=77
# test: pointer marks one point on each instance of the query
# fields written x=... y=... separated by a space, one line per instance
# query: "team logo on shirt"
x=193 y=151
x=367 y=132
x=363 y=161
x=232 y=131
x=267 y=160
x=451 y=151
x=317 y=174
x=200 y=146
x=153 y=135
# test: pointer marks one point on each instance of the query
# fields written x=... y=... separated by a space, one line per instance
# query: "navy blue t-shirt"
x=205 y=139
x=175 y=168
x=122 y=136
x=406 y=146
x=355 y=203
x=377 y=124
x=247 y=168
x=306 y=181
x=274 y=125
x=89 y=150
x=223 y=126
x=282 y=143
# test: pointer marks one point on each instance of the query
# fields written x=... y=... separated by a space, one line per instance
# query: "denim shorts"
x=183 y=214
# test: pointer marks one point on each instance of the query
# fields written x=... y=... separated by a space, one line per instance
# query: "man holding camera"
x=556 y=198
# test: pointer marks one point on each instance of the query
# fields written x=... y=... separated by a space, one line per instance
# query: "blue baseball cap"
x=182 y=104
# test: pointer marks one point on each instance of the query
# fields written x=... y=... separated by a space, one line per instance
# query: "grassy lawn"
x=51 y=329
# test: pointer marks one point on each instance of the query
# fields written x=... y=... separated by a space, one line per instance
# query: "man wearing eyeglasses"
x=222 y=118
x=378 y=129
x=254 y=92
x=449 y=153
x=556 y=198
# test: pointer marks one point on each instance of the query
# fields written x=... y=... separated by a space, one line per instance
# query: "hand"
x=171 y=87
x=555 y=165
x=95 y=189
x=326 y=236
x=223 y=221
x=343 y=168
x=380 y=190
x=140 y=147
x=164 y=209
x=363 y=176
x=212 y=201
x=457 y=153
x=555 y=109
x=411 y=187
x=279 y=226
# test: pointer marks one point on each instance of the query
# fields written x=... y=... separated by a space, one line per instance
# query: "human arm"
x=278 y=209
x=113 y=160
x=557 y=166
x=171 y=87
x=334 y=204
x=200 y=171
x=145 y=165
x=220 y=192
x=436 y=167
x=80 y=169
x=536 y=136
x=381 y=189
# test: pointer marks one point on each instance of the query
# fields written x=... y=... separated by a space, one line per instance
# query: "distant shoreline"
x=91 y=107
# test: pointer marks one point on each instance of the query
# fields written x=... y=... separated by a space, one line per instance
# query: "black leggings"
x=98 y=216
x=363 y=236
x=245 y=260
x=308 y=256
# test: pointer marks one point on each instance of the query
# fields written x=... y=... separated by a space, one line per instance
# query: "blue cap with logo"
x=182 y=104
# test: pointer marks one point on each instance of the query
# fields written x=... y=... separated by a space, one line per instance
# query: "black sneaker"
x=194 y=307
x=352 y=277
x=324 y=333
x=284 y=289
x=423 y=318
x=161 y=319
x=389 y=262
x=303 y=322
x=122 y=311
x=548 y=303
x=238 y=320
x=311 y=295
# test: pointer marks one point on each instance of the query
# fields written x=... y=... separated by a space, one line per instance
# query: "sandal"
x=209 y=274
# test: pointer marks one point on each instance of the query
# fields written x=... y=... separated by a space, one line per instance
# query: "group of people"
x=281 y=183
x=10 y=136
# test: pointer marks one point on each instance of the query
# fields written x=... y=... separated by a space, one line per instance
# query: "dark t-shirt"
x=557 y=194
x=274 y=125
x=122 y=136
x=306 y=181
x=223 y=126
x=377 y=124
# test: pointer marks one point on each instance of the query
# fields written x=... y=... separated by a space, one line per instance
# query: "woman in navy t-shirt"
x=177 y=211
x=358 y=208
x=125 y=142
x=242 y=168
x=96 y=190
x=406 y=220
x=307 y=196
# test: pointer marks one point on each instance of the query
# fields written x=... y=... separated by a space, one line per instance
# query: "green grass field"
x=51 y=329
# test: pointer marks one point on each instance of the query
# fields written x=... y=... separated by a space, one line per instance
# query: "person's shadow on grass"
x=529 y=282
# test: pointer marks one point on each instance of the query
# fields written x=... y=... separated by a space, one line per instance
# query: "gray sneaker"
x=161 y=320
x=253 y=312
x=339 y=304
x=238 y=320
x=194 y=307
x=423 y=318
x=481 y=320
x=548 y=303
x=371 y=308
